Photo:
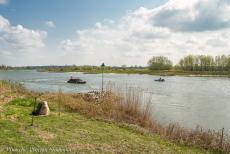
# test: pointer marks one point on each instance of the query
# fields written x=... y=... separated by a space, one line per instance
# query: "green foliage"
x=160 y=63
x=205 y=63
x=96 y=69
x=4 y=67
x=22 y=102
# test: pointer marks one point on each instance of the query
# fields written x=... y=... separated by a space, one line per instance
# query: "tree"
x=188 y=63
x=227 y=63
x=159 y=63
x=123 y=66
x=205 y=63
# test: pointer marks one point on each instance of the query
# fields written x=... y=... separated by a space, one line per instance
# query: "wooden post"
x=59 y=102
x=32 y=122
x=11 y=85
x=102 y=82
x=221 y=140
x=59 y=108
x=102 y=86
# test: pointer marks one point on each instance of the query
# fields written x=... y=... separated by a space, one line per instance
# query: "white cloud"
x=174 y=29
x=2 y=2
x=15 y=39
x=50 y=24
x=194 y=15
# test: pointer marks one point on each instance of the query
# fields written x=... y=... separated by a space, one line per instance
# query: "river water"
x=189 y=101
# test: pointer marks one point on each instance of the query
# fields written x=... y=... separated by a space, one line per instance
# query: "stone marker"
x=42 y=109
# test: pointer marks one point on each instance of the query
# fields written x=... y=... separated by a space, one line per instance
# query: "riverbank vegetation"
x=193 y=65
x=112 y=121
x=5 y=67
x=160 y=63
x=197 y=65
x=205 y=63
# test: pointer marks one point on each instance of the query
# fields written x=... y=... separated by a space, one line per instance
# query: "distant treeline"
x=5 y=67
x=205 y=63
x=192 y=63
x=189 y=63
x=89 y=69
x=83 y=68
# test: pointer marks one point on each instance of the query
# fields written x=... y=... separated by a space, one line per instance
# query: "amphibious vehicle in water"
x=76 y=80
x=160 y=80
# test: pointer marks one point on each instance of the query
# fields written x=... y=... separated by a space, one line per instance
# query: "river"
x=189 y=101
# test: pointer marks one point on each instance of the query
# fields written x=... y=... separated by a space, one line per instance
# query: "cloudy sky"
x=47 y=32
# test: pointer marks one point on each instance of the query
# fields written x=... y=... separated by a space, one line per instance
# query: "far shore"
x=225 y=74
x=146 y=71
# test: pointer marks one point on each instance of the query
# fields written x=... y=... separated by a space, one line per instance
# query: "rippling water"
x=189 y=101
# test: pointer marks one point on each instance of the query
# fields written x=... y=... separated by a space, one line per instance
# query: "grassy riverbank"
x=88 y=123
x=74 y=132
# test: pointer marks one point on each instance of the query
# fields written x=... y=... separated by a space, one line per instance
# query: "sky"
x=117 y=32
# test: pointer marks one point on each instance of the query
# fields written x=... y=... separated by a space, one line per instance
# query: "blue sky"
x=88 y=32
x=70 y=15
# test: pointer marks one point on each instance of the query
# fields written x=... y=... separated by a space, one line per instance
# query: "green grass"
x=22 y=102
x=75 y=132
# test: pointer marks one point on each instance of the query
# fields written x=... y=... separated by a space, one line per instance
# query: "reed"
x=10 y=90
x=127 y=106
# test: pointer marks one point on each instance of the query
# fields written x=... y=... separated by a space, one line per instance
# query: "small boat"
x=76 y=81
x=160 y=80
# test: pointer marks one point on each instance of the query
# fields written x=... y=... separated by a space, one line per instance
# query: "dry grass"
x=110 y=104
x=44 y=135
x=9 y=91
x=127 y=106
